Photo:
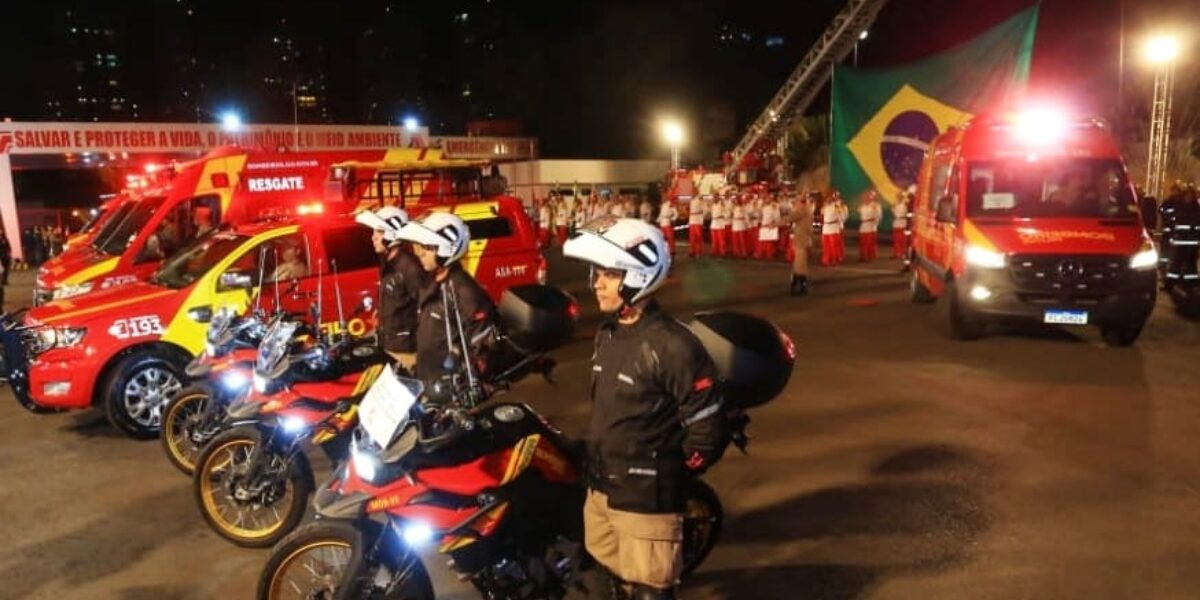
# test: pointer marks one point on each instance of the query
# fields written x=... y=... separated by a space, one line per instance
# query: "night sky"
x=588 y=79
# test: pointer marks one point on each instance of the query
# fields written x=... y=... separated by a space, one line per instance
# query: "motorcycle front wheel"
x=184 y=421
x=327 y=559
x=249 y=492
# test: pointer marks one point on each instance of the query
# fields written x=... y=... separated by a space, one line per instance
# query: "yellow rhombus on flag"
x=868 y=145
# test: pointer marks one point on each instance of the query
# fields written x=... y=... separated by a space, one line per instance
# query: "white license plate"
x=384 y=408
x=1066 y=317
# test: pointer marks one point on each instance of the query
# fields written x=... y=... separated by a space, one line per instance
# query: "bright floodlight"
x=863 y=35
x=1040 y=126
x=672 y=133
x=411 y=124
x=231 y=121
x=1162 y=49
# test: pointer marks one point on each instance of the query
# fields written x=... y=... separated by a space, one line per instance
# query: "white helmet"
x=389 y=219
x=630 y=245
x=442 y=230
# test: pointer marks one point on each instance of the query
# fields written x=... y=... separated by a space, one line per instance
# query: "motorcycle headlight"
x=366 y=464
x=261 y=383
x=234 y=381
x=982 y=257
x=1146 y=258
x=292 y=425
x=69 y=291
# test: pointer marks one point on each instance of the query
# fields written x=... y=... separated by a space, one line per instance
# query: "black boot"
x=803 y=285
x=645 y=592
x=792 y=287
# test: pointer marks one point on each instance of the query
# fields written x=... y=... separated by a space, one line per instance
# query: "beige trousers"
x=639 y=548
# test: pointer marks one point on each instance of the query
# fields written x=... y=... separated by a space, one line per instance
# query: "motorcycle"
x=221 y=373
x=496 y=483
x=253 y=479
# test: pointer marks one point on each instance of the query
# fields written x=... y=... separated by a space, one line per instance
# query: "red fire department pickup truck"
x=1031 y=218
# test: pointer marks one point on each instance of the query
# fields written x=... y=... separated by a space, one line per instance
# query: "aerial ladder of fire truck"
x=813 y=72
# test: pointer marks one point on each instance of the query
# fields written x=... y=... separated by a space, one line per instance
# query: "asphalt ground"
x=1034 y=463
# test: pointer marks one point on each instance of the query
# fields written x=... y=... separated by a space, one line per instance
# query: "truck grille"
x=1085 y=277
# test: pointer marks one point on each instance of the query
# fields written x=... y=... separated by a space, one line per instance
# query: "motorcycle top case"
x=753 y=357
x=539 y=318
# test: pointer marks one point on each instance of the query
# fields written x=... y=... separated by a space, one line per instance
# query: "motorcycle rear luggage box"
x=753 y=357
x=539 y=318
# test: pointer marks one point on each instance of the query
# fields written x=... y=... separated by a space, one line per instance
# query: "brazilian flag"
x=884 y=119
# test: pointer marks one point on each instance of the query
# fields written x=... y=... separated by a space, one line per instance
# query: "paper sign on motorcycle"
x=384 y=409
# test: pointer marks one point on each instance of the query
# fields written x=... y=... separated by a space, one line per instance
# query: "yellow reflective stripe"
x=103 y=307
x=395 y=155
x=232 y=166
x=93 y=271
x=368 y=377
x=185 y=331
x=521 y=457
x=973 y=235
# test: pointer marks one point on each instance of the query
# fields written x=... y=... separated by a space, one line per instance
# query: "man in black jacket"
x=401 y=282
x=656 y=419
x=440 y=240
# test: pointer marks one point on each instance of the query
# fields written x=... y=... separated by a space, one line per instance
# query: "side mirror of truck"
x=235 y=280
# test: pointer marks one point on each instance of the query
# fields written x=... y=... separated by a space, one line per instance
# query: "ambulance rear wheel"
x=917 y=292
x=137 y=392
x=959 y=324
x=1121 y=334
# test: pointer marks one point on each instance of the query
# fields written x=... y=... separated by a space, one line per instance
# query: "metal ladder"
x=1160 y=131
x=809 y=76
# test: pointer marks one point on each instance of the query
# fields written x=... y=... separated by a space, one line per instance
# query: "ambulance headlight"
x=1146 y=258
x=982 y=257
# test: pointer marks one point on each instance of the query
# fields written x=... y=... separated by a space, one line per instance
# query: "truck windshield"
x=1063 y=188
x=112 y=222
x=125 y=230
x=194 y=260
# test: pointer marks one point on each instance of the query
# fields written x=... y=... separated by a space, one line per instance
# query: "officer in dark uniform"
x=440 y=240
x=1184 y=240
x=656 y=417
x=401 y=282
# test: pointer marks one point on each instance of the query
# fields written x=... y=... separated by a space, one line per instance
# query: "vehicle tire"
x=959 y=326
x=217 y=481
x=138 y=390
x=344 y=542
x=702 y=521
x=1121 y=334
x=180 y=417
x=917 y=292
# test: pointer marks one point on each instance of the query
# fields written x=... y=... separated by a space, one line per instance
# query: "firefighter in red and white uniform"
x=667 y=213
x=768 y=233
x=843 y=216
x=869 y=214
x=753 y=221
x=717 y=227
x=831 y=230
x=900 y=226
x=545 y=221
x=562 y=220
x=696 y=227
x=737 y=228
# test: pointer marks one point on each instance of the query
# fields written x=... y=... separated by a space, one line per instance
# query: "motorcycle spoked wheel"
x=190 y=421
x=322 y=558
x=248 y=491
x=702 y=521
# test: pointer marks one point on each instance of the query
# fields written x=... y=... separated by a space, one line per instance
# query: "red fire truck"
x=1031 y=218
x=228 y=186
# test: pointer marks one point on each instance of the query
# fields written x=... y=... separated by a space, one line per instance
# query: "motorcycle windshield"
x=274 y=347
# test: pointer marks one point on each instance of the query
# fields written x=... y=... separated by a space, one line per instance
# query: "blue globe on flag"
x=903 y=146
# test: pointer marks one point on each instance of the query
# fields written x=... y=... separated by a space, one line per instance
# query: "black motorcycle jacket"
x=478 y=319
x=401 y=281
x=656 y=414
